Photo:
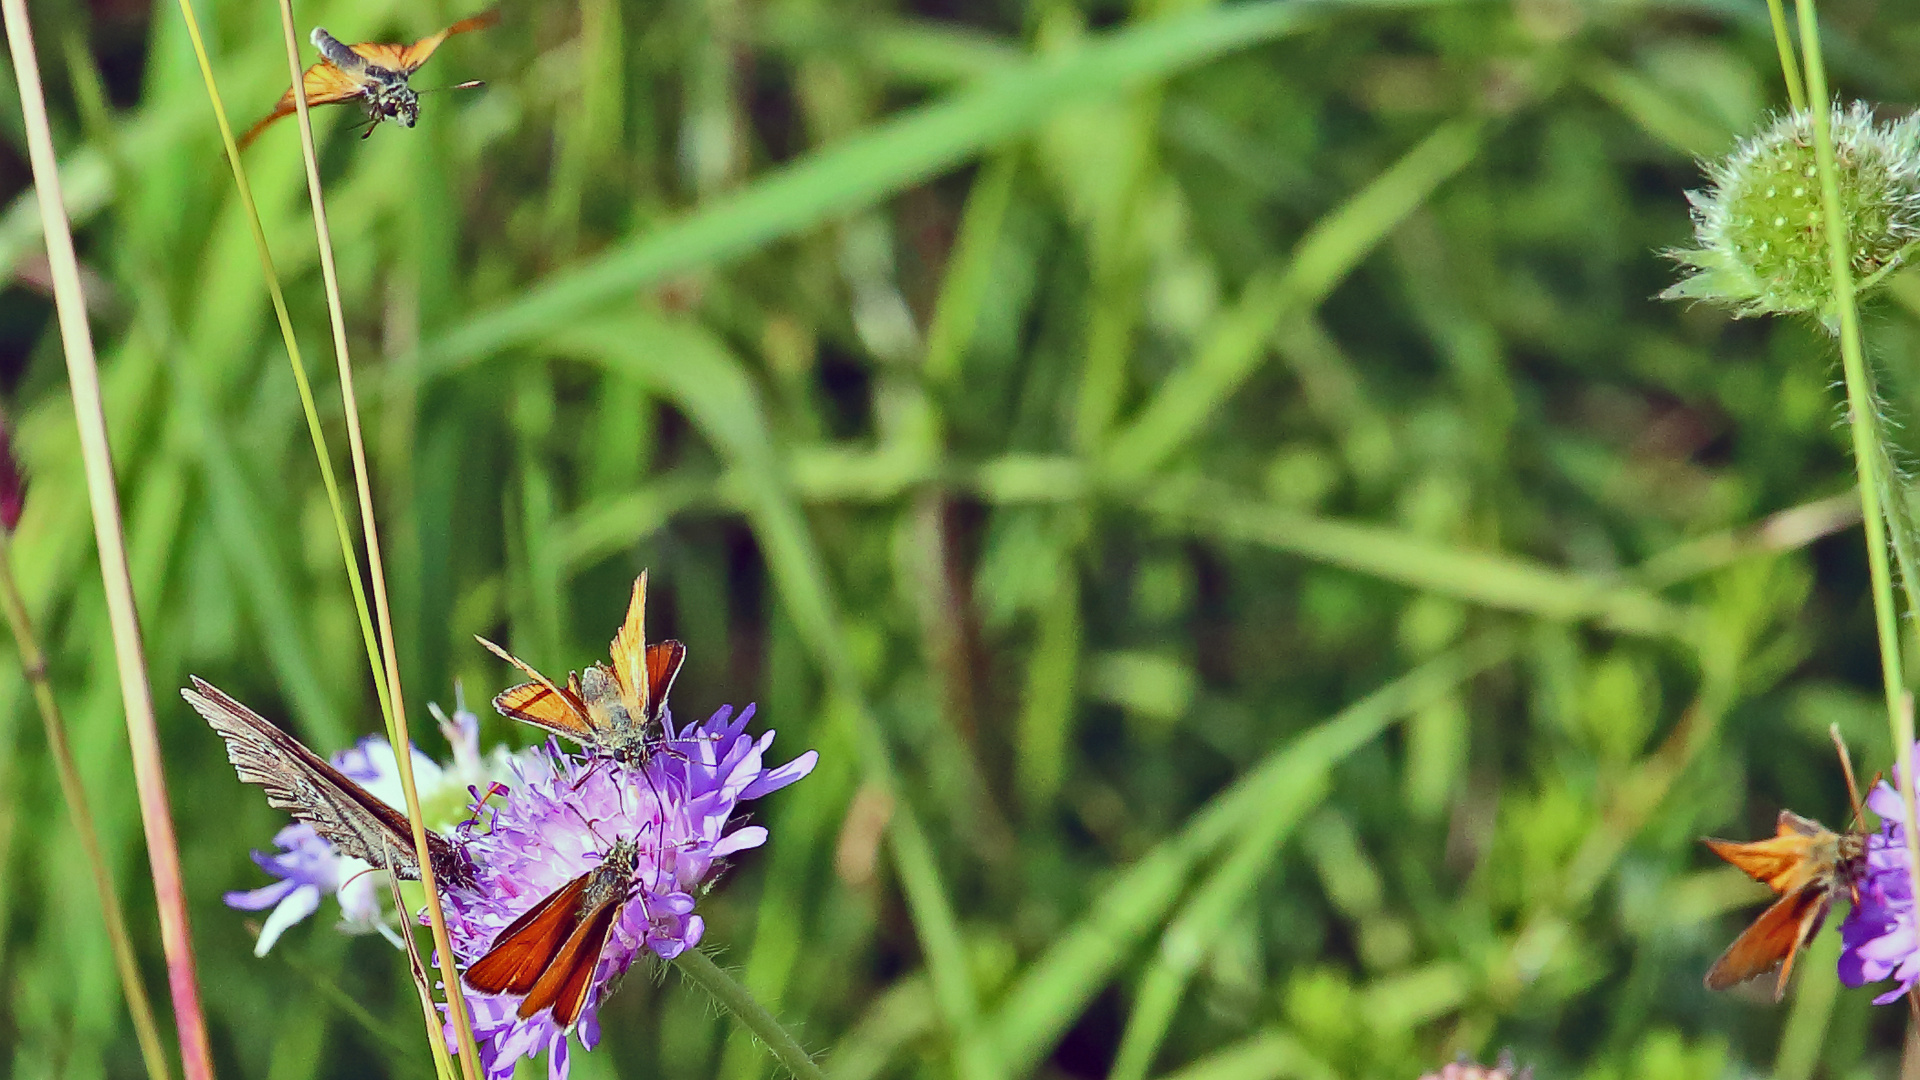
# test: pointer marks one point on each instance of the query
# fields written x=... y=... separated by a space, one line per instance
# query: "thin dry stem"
x=287 y=338
x=397 y=718
x=417 y=969
x=83 y=373
x=33 y=663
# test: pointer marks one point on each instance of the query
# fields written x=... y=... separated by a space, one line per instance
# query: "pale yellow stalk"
x=397 y=717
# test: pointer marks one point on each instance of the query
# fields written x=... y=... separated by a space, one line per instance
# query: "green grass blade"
x=1482 y=578
x=1192 y=934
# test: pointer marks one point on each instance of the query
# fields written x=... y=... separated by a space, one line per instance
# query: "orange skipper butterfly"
x=1806 y=864
x=550 y=952
x=371 y=73
x=608 y=708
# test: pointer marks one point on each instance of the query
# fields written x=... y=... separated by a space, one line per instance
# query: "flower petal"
x=300 y=903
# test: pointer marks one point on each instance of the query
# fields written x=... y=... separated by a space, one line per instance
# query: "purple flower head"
x=309 y=867
x=562 y=815
x=1878 y=936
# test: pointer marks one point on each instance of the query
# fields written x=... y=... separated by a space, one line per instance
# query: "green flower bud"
x=1760 y=227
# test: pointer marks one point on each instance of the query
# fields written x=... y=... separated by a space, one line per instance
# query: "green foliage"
x=1212 y=479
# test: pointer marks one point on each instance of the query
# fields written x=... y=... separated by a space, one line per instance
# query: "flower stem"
x=1869 y=445
x=34 y=663
x=83 y=374
x=699 y=969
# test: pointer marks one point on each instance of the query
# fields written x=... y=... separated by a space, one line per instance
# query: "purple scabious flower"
x=561 y=815
x=1878 y=936
x=308 y=866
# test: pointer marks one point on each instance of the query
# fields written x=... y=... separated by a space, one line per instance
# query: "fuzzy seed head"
x=1760 y=228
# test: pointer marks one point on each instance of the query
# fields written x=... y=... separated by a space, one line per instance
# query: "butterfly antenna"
x=659 y=819
x=470 y=84
x=588 y=824
x=1846 y=769
x=591 y=766
x=525 y=668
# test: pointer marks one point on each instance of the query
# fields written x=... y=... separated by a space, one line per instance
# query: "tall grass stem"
x=1783 y=43
x=393 y=698
x=314 y=431
x=143 y=736
x=34 y=663
x=1869 y=444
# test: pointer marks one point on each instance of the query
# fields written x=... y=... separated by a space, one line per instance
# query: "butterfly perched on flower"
x=550 y=953
x=613 y=709
x=371 y=73
x=1806 y=864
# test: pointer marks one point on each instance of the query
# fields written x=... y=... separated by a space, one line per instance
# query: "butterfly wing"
x=527 y=947
x=1773 y=940
x=543 y=704
x=1799 y=852
x=565 y=984
x=307 y=786
x=324 y=84
x=406 y=59
x=629 y=652
x=663 y=663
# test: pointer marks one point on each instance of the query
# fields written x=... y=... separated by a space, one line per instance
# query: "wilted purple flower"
x=1878 y=934
x=13 y=482
x=309 y=867
x=561 y=815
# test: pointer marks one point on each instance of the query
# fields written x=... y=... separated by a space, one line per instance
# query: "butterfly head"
x=614 y=876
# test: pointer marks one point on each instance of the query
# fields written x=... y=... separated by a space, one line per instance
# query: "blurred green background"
x=1220 y=467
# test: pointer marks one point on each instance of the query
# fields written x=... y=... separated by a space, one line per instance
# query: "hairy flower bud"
x=1762 y=232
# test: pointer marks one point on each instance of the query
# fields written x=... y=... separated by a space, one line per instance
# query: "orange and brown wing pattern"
x=629 y=651
x=1773 y=940
x=542 y=703
x=527 y=947
x=566 y=981
x=663 y=663
x=644 y=672
x=1799 y=852
x=324 y=84
x=407 y=59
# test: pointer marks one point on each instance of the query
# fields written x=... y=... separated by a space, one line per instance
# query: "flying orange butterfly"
x=1807 y=865
x=607 y=708
x=371 y=73
x=550 y=952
